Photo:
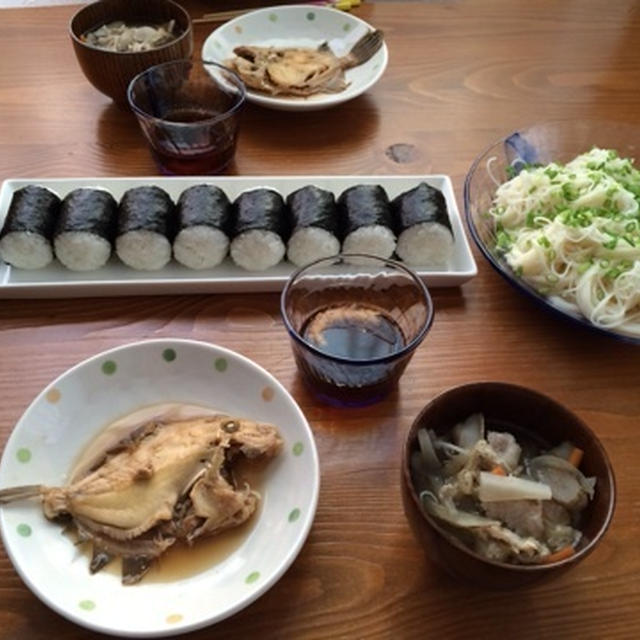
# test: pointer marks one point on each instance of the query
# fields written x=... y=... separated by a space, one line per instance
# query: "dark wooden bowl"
x=543 y=418
x=110 y=72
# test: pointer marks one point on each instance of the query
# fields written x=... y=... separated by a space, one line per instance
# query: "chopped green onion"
x=543 y=241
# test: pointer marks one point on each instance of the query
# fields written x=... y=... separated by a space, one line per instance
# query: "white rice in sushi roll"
x=82 y=250
x=427 y=244
x=143 y=250
x=26 y=250
x=374 y=240
x=257 y=250
x=200 y=247
x=311 y=243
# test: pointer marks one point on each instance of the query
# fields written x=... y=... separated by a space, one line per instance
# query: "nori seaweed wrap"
x=85 y=229
x=203 y=218
x=367 y=222
x=260 y=229
x=425 y=236
x=25 y=240
x=146 y=226
x=314 y=219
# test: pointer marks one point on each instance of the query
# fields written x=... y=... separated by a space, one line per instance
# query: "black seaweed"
x=262 y=209
x=91 y=210
x=311 y=206
x=423 y=203
x=206 y=205
x=146 y=209
x=364 y=205
x=33 y=209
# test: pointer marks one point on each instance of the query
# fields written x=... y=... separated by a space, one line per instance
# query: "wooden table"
x=461 y=73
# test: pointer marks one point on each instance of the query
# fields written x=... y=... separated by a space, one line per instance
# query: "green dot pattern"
x=221 y=364
x=298 y=448
x=169 y=355
x=87 y=605
x=109 y=367
x=346 y=27
x=294 y=515
x=311 y=15
x=273 y=17
x=252 y=577
x=23 y=530
x=23 y=455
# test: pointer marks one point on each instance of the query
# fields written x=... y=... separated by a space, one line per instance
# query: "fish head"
x=251 y=437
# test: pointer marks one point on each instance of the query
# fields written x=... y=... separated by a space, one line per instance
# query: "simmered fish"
x=299 y=71
x=167 y=481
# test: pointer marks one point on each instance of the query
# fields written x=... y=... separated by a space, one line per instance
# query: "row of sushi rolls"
x=258 y=229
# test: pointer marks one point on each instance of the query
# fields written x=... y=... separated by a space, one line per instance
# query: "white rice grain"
x=26 y=250
x=200 y=247
x=374 y=240
x=82 y=250
x=143 y=250
x=257 y=250
x=311 y=243
x=427 y=244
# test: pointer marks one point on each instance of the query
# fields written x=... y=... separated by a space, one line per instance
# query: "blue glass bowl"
x=543 y=143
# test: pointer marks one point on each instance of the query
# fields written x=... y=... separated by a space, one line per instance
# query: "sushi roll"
x=145 y=228
x=85 y=230
x=366 y=216
x=203 y=216
x=25 y=240
x=314 y=222
x=422 y=222
x=260 y=229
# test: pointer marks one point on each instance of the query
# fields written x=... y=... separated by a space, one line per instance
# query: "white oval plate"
x=299 y=26
x=70 y=411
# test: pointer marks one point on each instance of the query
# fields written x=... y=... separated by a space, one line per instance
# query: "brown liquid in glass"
x=358 y=332
x=189 y=152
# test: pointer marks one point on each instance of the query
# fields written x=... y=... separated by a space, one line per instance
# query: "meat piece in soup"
x=503 y=496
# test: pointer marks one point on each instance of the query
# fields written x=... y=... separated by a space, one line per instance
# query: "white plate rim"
x=305 y=527
x=296 y=103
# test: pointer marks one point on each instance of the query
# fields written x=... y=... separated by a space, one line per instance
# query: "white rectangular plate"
x=55 y=281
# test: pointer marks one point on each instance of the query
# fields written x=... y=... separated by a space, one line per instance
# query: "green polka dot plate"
x=299 y=26
x=72 y=410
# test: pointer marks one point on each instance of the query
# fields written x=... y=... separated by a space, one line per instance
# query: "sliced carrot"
x=498 y=470
x=575 y=457
x=556 y=556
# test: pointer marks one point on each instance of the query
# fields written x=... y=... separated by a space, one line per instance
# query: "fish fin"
x=13 y=494
x=100 y=559
x=364 y=49
x=134 y=568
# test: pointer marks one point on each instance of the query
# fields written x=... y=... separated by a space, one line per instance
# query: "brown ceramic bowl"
x=109 y=71
x=510 y=408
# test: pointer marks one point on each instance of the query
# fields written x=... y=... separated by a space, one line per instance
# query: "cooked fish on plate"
x=165 y=482
x=301 y=71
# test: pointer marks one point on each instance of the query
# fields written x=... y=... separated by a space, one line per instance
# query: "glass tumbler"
x=354 y=328
x=189 y=113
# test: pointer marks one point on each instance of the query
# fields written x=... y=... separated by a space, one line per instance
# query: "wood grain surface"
x=461 y=73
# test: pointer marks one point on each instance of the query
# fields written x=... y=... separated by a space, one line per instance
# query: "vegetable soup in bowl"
x=503 y=486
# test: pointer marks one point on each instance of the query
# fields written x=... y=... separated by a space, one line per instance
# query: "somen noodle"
x=573 y=232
